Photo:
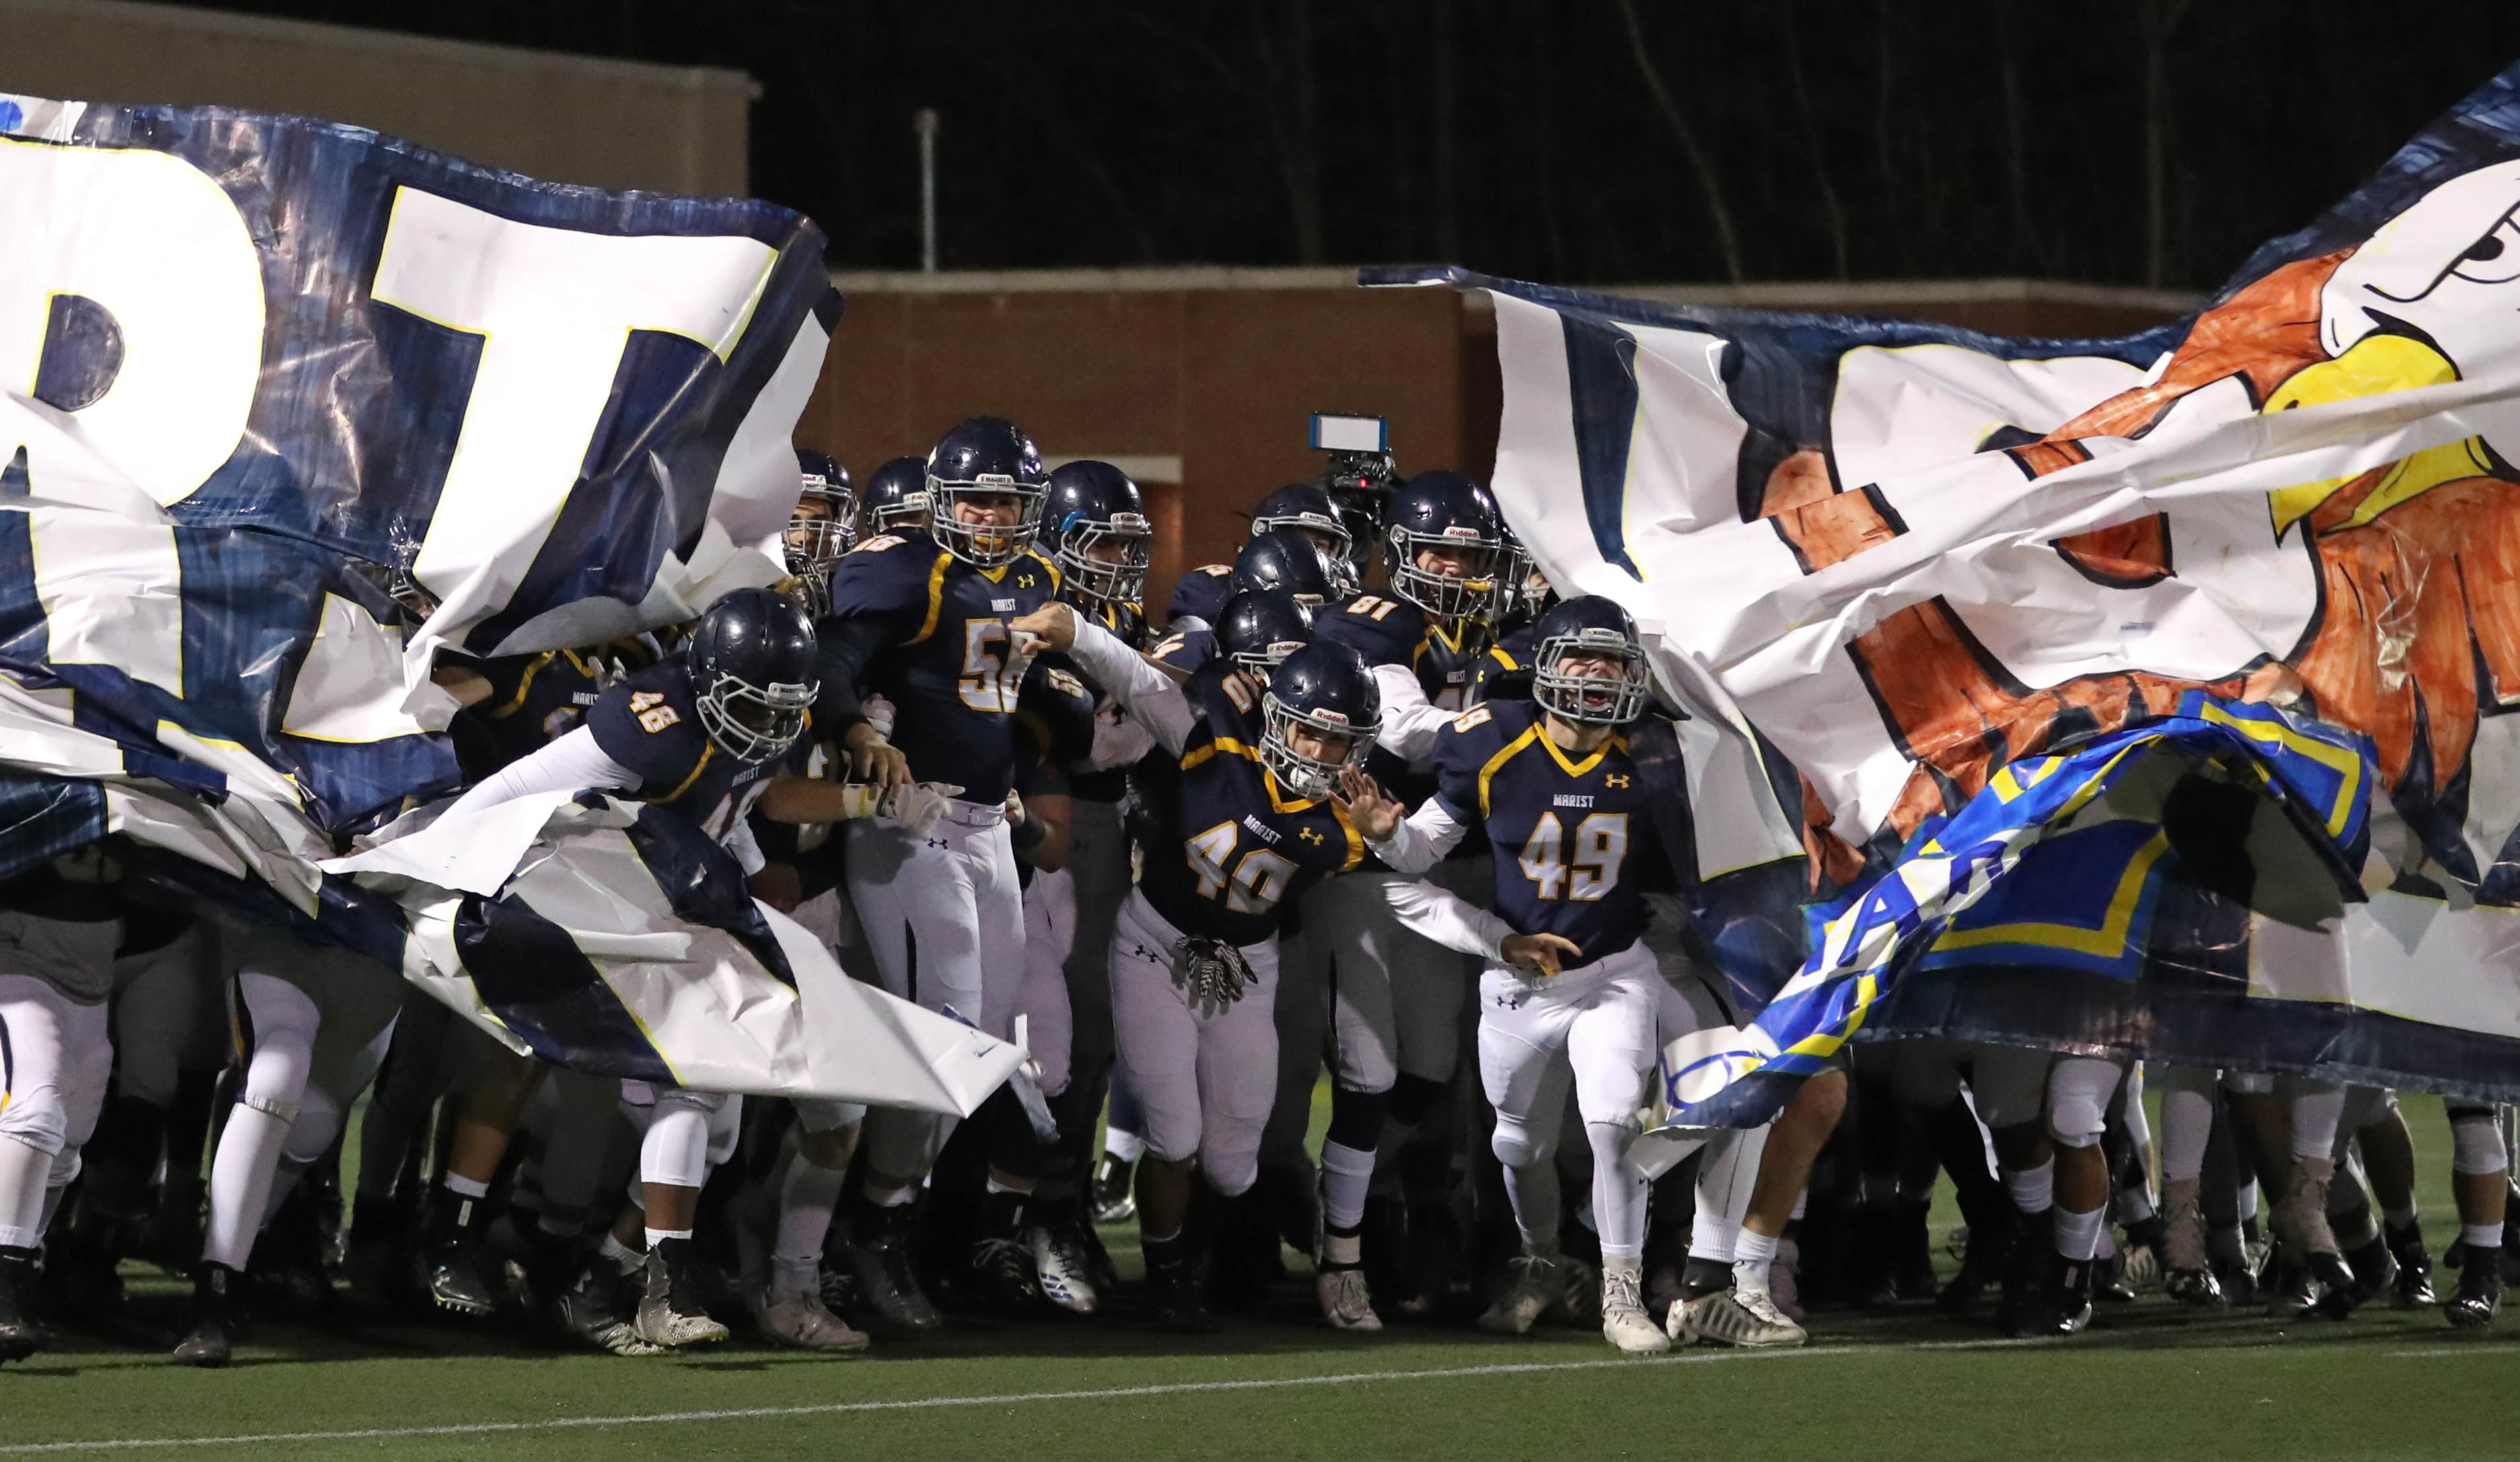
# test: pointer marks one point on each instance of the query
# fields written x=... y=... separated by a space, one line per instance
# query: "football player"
x=925 y=618
x=58 y=923
x=1095 y=527
x=1305 y=508
x=1195 y=956
x=1398 y=997
x=1578 y=829
x=823 y=525
x=895 y=499
x=702 y=734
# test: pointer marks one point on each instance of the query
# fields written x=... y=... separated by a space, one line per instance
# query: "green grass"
x=2386 y=1384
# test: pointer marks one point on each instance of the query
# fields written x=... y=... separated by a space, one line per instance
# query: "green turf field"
x=2386 y=1384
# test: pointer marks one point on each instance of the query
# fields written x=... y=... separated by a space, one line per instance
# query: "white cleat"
x=1624 y=1321
x=1749 y=1320
x=1346 y=1303
x=1062 y=1266
x=1538 y=1286
x=801 y=1321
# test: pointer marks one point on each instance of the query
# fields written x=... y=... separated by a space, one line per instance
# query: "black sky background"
x=1577 y=141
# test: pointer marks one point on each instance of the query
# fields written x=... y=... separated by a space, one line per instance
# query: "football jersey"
x=1185 y=651
x=1505 y=671
x=1394 y=631
x=1578 y=842
x=651 y=724
x=949 y=652
x=1246 y=851
x=1055 y=729
x=1200 y=594
x=534 y=700
x=1111 y=785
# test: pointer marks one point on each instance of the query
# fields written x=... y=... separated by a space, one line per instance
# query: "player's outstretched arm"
x=1410 y=721
x=572 y=763
x=1448 y=920
x=1144 y=691
x=1410 y=843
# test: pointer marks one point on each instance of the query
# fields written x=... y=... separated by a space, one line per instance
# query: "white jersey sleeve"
x=1448 y=920
x=569 y=764
x=1422 y=838
x=1409 y=719
x=1146 y=694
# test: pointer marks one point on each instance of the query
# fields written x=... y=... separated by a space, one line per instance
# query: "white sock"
x=1618 y=1192
x=2247 y=1204
x=2316 y=1109
x=2137 y=1201
x=1533 y=1191
x=807 y=1193
x=1752 y=1253
x=2033 y=1189
x=2401 y=1217
x=22 y=1170
x=465 y=1187
x=1710 y=1236
x=2078 y=1235
x=657 y=1236
x=1346 y=1173
x=2481 y=1235
x=621 y=1255
x=241 y=1170
x=1123 y=1145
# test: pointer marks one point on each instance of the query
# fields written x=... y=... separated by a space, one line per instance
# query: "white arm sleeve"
x=1447 y=920
x=1148 y=695
x=568 y=764
x=1422 y=839
x=1409 y=719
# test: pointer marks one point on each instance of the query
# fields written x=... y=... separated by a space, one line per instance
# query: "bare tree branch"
x=1707 y=181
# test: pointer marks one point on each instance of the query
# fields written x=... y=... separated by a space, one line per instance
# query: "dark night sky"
x=1869 y=138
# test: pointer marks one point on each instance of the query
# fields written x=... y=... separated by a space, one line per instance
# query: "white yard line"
x=918 y=1403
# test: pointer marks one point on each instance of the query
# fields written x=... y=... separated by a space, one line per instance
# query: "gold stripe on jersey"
x=935 y=598
x=1497 y=763
x=524 y=683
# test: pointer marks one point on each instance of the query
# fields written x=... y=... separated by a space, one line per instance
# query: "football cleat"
x=2062 y=1306
x=1784 y=1278
x=2139 y=1267
x=601 y=1309
x=1538 y=1286
x=801 y=1321
x=1062 y=1267
x=20 y=1335
x=1179 y=1289
x=1347 y=1303
x=460 y=1275
x=2413 y=1288
x=1002 y=1271
x=2195 y=1289
x=2374 y=1269
x=1112 y=1202
x=2479 y=1297
x=218 y=1315
x=1624 y=1321
x=836 y=1286
x=671 y=1314
x=1748 y=1320
x=1911 y=1267
x=887 y=1285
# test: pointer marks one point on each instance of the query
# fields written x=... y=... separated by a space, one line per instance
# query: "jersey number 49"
x=1591 y=870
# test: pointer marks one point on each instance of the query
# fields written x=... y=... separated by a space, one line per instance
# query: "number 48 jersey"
x=1246 y=851
x=1576 y=838
x=950 y=669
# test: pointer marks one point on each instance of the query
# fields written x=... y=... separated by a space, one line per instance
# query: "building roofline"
x=391 y=42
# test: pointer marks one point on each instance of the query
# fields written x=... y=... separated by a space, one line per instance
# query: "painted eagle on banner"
x=1905 y=558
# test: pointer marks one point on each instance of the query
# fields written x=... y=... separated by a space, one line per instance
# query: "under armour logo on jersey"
x=938 y=843
x=1313 y=835
x=1023 y=581
x=1616 y=779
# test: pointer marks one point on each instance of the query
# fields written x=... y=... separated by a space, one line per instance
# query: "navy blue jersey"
x=1505 y=671
x=1577 y=842
x=1201 y=593
x=1247 y=851
x=534 y=700
x=1084 y=782
x=1394 y=631
x=651 y=724
x=949 y=651
x=1185 y=651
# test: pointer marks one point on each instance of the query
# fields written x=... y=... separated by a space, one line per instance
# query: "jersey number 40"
x=1254 y=883
x=1587 y=870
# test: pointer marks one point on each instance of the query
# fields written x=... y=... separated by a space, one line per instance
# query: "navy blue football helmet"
x=986 y=457
x=1260 y=627
x=1285 y=558
x=1093 y=526
x=1608 y=684
x=755 y=673
x=895 y=500
x=1306 y=507
x=1447 y=514
x=823 y=525
x=1326 y=690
